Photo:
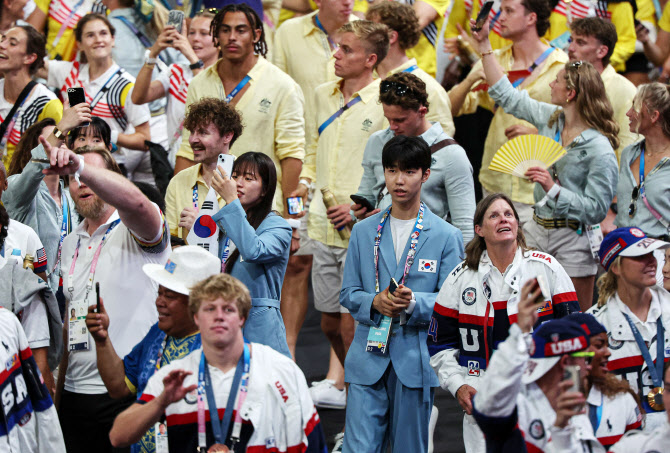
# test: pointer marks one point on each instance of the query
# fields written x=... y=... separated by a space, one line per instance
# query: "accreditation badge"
x=595 y=237
x=378 y=337
x=161 y=437
x=77 y=331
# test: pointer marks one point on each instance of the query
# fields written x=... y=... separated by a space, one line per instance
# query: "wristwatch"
x=197 y=65
x=59 y=134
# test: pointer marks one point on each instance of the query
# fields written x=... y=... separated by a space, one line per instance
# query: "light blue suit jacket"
x=407 y=351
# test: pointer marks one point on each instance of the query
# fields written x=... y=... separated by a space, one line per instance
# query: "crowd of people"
x=179 y=179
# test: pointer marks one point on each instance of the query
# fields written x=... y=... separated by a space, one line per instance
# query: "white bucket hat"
x=186 y=266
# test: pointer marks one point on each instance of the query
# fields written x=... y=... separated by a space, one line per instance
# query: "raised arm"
x=135 y=210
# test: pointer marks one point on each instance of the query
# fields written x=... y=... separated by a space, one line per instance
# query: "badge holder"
x=161 y=437
x=77 y=331
x=595 y=236
x=378 y=337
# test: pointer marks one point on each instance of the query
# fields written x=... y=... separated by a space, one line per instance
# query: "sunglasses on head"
x=400 y=88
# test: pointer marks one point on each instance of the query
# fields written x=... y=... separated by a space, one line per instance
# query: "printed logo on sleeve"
x=536 y=429
x=428 y=266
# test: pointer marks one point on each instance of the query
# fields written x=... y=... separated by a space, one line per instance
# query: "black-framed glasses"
x=633 y=201
x=400 y=88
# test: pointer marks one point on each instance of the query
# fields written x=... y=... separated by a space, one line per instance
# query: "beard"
x=90 y=209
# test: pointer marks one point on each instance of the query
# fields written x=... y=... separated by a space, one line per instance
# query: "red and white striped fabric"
x=175 y=82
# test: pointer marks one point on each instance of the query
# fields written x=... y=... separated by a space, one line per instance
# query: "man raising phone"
x=387 y=366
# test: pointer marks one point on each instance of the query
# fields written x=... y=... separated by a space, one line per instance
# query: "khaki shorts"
x=572 y=250
x=327 y=272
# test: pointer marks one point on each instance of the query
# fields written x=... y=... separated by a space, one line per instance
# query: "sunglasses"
x=587 y=355
x=632 y=209
x=400 y=88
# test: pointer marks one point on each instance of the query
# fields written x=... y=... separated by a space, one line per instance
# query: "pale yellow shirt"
x=620 y=92
x=334 y=158
x=439 y=109
x=424 y=51
x=272 y=114
x=303 y=52
x=179 y=195
x=518 y=189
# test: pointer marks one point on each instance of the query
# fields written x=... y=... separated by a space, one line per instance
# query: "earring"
x=567 y=100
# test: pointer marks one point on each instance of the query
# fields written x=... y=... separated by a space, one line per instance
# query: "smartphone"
x=363 y=202
x=636 y=22
x=226 y=161
x=176 y=19
x=295 y=205
x=482 y=16
x=97 y=297
x=77 y=96
x=571 y=372
x=393 y=286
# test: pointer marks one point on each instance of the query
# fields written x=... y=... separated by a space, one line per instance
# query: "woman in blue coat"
x=255 y=245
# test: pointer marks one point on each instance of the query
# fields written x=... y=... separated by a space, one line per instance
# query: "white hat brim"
x=157 y=273
x=643 y=247
x=537 y=368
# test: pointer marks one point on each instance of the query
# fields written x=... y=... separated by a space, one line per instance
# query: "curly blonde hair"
x=591 y=99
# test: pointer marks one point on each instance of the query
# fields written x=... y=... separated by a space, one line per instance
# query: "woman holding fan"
x=575 y=192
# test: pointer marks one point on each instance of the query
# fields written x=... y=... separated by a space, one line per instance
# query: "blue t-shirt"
x=140 y=365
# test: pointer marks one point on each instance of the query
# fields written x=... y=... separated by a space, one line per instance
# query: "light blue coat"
x=261 y=267
x=407 y=351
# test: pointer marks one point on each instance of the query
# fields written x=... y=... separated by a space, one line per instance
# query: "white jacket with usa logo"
x=461 y=329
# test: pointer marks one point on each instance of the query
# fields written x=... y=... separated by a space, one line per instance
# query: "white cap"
x=186 y=266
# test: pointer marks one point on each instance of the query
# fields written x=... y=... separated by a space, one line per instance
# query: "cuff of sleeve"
x=522 y=340
x=39 y=152
x=454 y=383
x=412 y=304
x=114 y=137
x=294 y=223
x=561 y=438
x=555 y=189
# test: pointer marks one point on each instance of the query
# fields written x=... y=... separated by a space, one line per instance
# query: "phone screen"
x=295 y=205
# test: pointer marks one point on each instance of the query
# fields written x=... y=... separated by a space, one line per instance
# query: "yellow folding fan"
x=525 y=151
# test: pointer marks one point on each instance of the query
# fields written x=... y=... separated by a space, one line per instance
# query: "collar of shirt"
x=408 y=64
x=81 y=228
x=368 y=93
x=595 y=396
x=197 y=178
x=84 y=77
x=309 y=26
x=510 y=275
x=433 y=134
x=255 y=72
x=647 y=328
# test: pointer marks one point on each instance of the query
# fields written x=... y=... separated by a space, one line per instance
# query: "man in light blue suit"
x=387 y=366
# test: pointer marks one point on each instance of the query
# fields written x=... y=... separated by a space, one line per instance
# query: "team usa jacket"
x=656 y=441
x=28 y=419
x=626 y=360
x=460 y=337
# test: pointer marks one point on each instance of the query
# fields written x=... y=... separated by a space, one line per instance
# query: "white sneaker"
x=339 y=440
x=325 y=395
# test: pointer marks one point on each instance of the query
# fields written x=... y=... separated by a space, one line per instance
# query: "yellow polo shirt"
x=461 y=12
x=517 y=189
x=179 y=194
x=664 y=21
x=622 y=18
x=303 y=52
x=439 y=110
x=424 y=51
x=620 y=92
x=334 y=158
x=272 y=114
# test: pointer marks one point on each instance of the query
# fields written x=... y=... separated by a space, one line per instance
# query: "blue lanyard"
x=411 y=68
x=596 y=414
x=655 y=370
x=320 y=25
x=220 y=429
x=414 y=240
x=141 y=36
x=66 y=226
x=337 y=114
x=535 y=64
x=237 y=89
x=642 y=172
x=494 y=20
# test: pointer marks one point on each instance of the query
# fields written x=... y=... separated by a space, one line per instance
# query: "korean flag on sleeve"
x=205 y=231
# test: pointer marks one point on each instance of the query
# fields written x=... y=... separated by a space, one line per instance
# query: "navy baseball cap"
x=552 y=340
x=588 y=322
x=627 y=241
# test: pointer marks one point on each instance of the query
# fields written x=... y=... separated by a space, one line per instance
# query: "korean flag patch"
x=428 y=266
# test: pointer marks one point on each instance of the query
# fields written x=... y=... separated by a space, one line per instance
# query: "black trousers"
x=87 y=419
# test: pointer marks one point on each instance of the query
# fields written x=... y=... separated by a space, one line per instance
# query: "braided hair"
x=260 y=46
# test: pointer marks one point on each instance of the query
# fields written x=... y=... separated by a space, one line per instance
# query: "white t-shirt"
x=400 y=230
x=128 y=294
x=22 y=240
x=175 y=82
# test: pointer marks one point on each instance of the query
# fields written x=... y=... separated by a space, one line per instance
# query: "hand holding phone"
x=295 y=205
x=76 y=96
x=175 y=19
x=360 y=200
x=97 y=297
x=482 y=16
x=226 y=161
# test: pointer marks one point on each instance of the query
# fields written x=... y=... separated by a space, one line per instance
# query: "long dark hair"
x=261 y=166
x=29 y=140
x=475 y=248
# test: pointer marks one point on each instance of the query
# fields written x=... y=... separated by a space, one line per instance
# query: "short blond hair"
x=374 y=36
x=222 y=286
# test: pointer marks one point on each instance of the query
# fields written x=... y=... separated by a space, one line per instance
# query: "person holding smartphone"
x=480 y=301
x=256 y=245
x=391 y=387
x=526 y=403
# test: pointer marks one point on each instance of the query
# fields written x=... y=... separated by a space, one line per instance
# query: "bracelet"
x=490 y=52
x=293 y=237
x=77 y=173
x=197 y=65
x=305 y=183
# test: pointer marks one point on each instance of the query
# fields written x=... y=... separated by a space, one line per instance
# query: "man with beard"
x=121 y=231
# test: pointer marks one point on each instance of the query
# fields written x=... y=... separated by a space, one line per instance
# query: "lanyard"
x=337 y=114
x=532 y=67
x=643 y=195
x=226 y=254
x=414 y=240
x=321 y=27
x=141 y=36
x=411 y=68
x=596 y=414
x=161 y=352
x=94 y=263
x=10 y=126
x=65 y=227
x=237 y=89
x=195 y=196
x=104 y=88
x=220 y=430
x=655 y=370
x=66 y=23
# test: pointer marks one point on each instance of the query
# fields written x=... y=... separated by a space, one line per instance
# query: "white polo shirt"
x=128 y=294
